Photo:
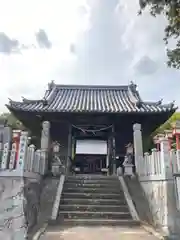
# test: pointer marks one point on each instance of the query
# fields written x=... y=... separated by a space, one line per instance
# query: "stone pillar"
x=7 y=137
x=169 y=199
x=138 y=144
x=22 y=155
x=165 y=158
x=45 y=139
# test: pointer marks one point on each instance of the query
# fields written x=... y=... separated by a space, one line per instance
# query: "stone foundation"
x=19 y=203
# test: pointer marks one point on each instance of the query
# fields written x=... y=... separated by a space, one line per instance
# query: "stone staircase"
x=94 y=200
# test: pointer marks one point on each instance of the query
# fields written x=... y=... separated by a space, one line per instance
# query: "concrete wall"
x=19 y=204
x=162 y=202
x=155 y=174
x=161 y=197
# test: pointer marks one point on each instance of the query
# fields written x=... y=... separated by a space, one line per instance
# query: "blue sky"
x=82 y=42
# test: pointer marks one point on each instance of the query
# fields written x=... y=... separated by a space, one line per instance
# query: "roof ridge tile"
x=91 y=98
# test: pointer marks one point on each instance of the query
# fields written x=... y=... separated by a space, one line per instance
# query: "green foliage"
x=167 y=124
x=11 y=121
x=171 y=10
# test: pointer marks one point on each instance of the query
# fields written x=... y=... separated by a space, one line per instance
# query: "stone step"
x=92 y=215
x=97 y=222
x=92 y=190
x=84 y=201
x=92 y=185
x=92 y=180
x=93 y=208
x=93 y=176
x=92 y=195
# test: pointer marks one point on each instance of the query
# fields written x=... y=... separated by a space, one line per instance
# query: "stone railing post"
x=30 y=158
x=45 y=139
x=7 y=137
x=168 y=188
x=178 y=160
x=166 y=168
x=138 y=145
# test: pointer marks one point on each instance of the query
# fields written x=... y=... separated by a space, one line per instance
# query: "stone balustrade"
x=22 y=168
x=158 y=175
x=25 y=158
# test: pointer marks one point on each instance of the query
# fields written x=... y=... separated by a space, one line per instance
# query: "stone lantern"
x=56 y=166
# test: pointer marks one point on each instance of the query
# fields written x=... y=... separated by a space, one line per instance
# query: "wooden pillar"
x=108 y=155
x=69 y=152
x=73 y=147
x=177 y=142
x=113 y=151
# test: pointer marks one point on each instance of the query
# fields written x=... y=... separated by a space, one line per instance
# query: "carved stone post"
x=12 y=162
x=45 y=137
x=22 y=155
x=138 y=144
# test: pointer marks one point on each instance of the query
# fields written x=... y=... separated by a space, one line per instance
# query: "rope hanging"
x=92 y=131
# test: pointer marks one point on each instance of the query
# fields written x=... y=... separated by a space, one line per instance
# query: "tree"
x=171 y=10
x=148 y=143
x=11 y=121
x=167 y=125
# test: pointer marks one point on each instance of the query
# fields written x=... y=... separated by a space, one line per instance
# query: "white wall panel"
x=91 y=147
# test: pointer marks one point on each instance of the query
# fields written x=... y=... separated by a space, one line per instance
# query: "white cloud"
x=111 y=45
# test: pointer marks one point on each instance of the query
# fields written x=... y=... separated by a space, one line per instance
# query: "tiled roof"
x=74 y=98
